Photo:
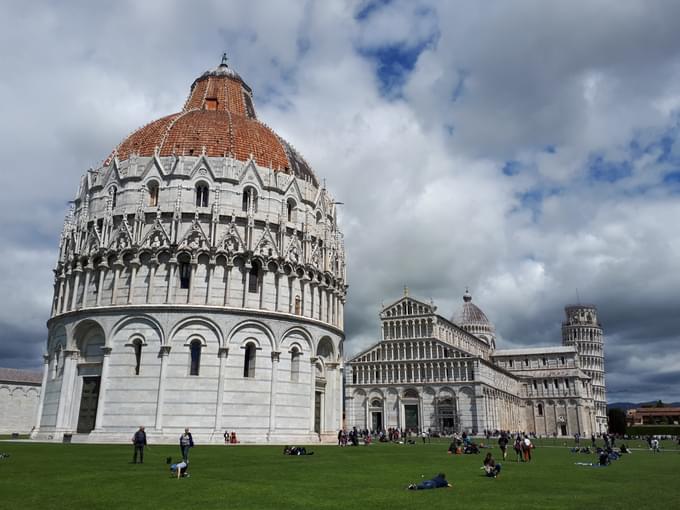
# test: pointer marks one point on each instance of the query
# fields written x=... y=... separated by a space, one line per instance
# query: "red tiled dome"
x=218 y=119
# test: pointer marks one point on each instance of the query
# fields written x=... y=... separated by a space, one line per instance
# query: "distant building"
x=653 y=416
x=428 y=372
x=19 y=400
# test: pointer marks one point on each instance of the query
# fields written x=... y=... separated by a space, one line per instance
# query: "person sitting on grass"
x=624 y=449
x=490 y=467
x=472 y=448
x=437 y=482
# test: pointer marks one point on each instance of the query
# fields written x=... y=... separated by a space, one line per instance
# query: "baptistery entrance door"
x=88 y=404
x=376 y=421
x=317 y=411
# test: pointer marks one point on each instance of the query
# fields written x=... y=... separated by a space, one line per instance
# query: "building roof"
x=470 y=314
x=12 y=375
x=218 y=120
x=532 y=351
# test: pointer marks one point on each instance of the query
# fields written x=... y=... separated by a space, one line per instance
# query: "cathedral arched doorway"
x=90 y=340
x=446 y=415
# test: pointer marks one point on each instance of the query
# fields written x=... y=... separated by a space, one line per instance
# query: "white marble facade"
x=19 y=400
x=428 y=372
x=197 y=291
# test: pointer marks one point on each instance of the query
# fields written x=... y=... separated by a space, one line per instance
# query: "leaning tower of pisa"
x=582 y=330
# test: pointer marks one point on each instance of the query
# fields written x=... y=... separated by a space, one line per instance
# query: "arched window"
x=297 y=305
x=184 y=274
x=295 y=364
x=249 y=361
x=114 y=196
x=318 y=217
x=57 y=360
x=290 y=210
x=252 y=279
x=137 y=346
x=153 y=193
x=195 y=350
x=540 y=409
x=249 y=202
x=202 y=192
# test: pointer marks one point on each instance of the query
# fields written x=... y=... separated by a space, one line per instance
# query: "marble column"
x=86 y=285
x=41 y=402
x=276 y=357
x=222 y=354
x=134 y=267
x=312 y=389
x=160 y=400
x=101 y=403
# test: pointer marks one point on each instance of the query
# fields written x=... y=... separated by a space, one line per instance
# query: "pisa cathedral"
x=200 y=283
x=428 y=372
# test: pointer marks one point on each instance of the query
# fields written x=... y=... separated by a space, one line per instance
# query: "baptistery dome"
x=473 y=320
x=218 y=120
x=200 y=283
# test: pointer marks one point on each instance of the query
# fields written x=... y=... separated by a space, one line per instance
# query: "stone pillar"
x=86 y=285
x=276 y=356
x=153 y=266
x=117 y=266
x=211 y=275
x=67 y=286
x=41 y=402
x=66 y=396
x=164 y=352
x=312 y=388
x=227 y=281
x=222 y=354
x=134 y=267
x=103 y=266
x=60 y=294
x=192 y=280
x=170 y=296
x=101 y=403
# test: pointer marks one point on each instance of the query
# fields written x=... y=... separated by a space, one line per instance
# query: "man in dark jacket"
x=186 y=442
x=139 y=442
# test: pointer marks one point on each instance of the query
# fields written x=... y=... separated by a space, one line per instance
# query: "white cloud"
x=549 y=86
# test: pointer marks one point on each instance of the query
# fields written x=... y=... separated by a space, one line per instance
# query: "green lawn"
x=45 y=476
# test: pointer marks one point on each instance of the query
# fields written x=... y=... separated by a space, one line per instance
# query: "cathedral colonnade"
x=267 y=378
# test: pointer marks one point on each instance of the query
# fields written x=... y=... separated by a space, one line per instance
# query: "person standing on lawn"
x=186 y=442
x=503 y=444
x=139 y=442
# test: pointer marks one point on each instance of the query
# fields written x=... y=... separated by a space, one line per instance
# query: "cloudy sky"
x=524 y=149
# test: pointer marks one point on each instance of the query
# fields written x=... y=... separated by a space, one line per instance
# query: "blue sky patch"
x=393 y=64
x=511 y=168
x=599 y=169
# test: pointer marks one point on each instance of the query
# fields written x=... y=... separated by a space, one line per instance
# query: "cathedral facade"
x=200 y=283
x=428 y=372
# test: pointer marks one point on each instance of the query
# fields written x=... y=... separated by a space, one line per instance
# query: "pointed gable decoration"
x=202 y=168
x=93 y=241
x=231 y=241
x=157 y=237
x=294 y=250
x=194 y=239
x=266 y=246
x=154 y=168
x=121 y=238
x=250 y=173
x=407 y=306
x=293 y=189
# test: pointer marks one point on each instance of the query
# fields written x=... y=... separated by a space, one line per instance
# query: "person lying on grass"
x=294 y=450
x=490 y=467
x=437 y=482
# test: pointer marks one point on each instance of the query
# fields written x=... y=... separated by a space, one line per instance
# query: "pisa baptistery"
x=200 y=283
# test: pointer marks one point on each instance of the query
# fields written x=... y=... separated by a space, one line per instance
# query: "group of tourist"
x=230 y=438
x=186 y=442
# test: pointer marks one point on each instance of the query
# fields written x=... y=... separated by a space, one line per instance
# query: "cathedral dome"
x=472 y=319
x=218 y=120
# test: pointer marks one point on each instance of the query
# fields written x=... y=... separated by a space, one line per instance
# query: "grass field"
x=47 y=476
